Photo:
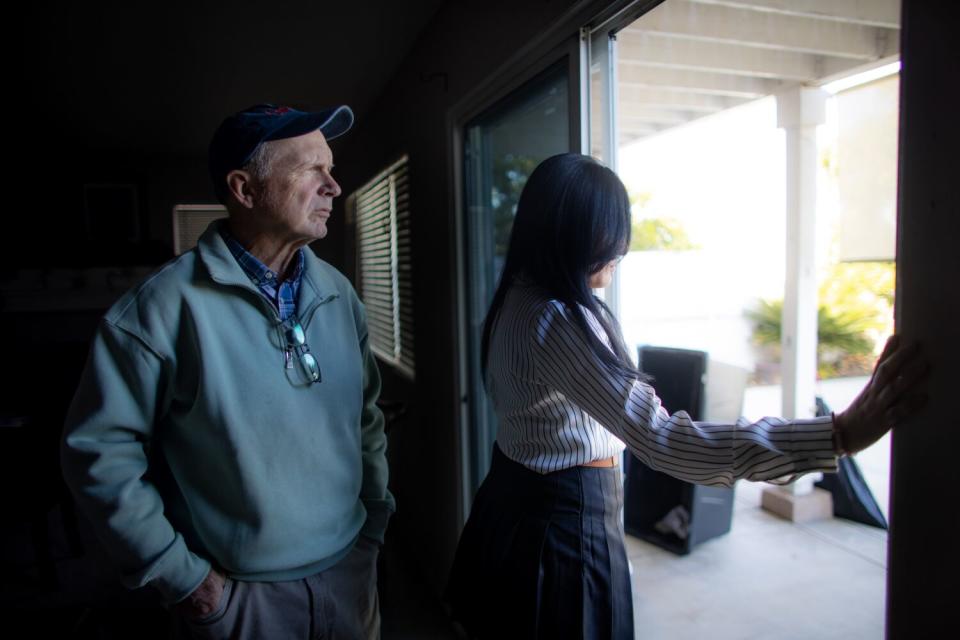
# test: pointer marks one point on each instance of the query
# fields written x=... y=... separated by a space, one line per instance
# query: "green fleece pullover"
x=190 y=441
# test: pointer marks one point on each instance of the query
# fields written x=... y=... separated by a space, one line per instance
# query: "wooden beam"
x=639 y=114
x=637 y=130
x=713 y=23
x=874 y=13
x=656 y=50
x=623 y=139
x=682 y=100
x=708 y=83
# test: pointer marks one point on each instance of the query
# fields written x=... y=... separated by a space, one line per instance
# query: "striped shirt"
x=282 y=296
x=559 y=406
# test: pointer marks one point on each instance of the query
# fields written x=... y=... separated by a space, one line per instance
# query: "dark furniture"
x=679 y=376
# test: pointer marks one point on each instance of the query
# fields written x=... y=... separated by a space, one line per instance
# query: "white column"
x=799 y=111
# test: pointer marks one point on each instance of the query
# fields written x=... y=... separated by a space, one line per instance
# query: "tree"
x=655 y=233
x=658 y=234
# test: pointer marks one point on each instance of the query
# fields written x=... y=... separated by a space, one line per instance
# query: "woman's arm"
x=703 y=453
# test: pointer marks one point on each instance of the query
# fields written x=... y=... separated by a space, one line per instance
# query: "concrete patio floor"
x=766 y=579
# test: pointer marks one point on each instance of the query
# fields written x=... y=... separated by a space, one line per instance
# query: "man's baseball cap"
x=238 y=135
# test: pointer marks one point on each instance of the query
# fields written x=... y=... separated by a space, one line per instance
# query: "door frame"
x=568 y=38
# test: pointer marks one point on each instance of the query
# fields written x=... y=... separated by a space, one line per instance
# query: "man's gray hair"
x=259 y=163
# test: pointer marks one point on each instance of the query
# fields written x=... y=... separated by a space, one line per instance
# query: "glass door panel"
x=502 y=146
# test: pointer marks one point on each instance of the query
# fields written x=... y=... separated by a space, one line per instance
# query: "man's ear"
x=240 y=185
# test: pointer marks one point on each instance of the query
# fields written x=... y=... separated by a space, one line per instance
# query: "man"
x=224 y=440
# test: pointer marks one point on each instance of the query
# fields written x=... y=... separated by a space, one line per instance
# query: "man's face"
x=297 y=194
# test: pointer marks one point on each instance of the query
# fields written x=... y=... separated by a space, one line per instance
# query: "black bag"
x=852 y=498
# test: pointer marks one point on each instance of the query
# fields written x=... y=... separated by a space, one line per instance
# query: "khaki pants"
x=340 y=602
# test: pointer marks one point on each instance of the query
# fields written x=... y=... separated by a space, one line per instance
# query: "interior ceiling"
x=158 y=77
x=690 y=58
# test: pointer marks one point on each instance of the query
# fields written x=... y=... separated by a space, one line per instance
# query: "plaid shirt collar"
x=282 y=296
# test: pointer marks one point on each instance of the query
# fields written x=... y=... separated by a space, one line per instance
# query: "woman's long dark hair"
x=573 y=218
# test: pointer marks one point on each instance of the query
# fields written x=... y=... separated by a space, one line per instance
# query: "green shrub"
x=854 y=313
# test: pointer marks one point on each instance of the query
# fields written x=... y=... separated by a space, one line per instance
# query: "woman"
x=542 y=554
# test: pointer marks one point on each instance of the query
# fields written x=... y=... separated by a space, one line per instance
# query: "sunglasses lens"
x=310 y=364
x=295 y=335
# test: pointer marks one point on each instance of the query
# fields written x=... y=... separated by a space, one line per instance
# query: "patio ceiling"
x=687 y=59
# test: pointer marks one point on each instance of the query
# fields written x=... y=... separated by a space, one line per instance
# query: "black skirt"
x=542 y=556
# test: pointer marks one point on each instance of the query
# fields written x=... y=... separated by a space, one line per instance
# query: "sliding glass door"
x=501 y=146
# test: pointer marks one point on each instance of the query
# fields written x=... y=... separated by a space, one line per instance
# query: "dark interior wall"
x=465 y=44
x=54 y=230
x=924 y=564
x=129 y=93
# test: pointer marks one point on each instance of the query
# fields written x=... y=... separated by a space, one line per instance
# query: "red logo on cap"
x=278 y=111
